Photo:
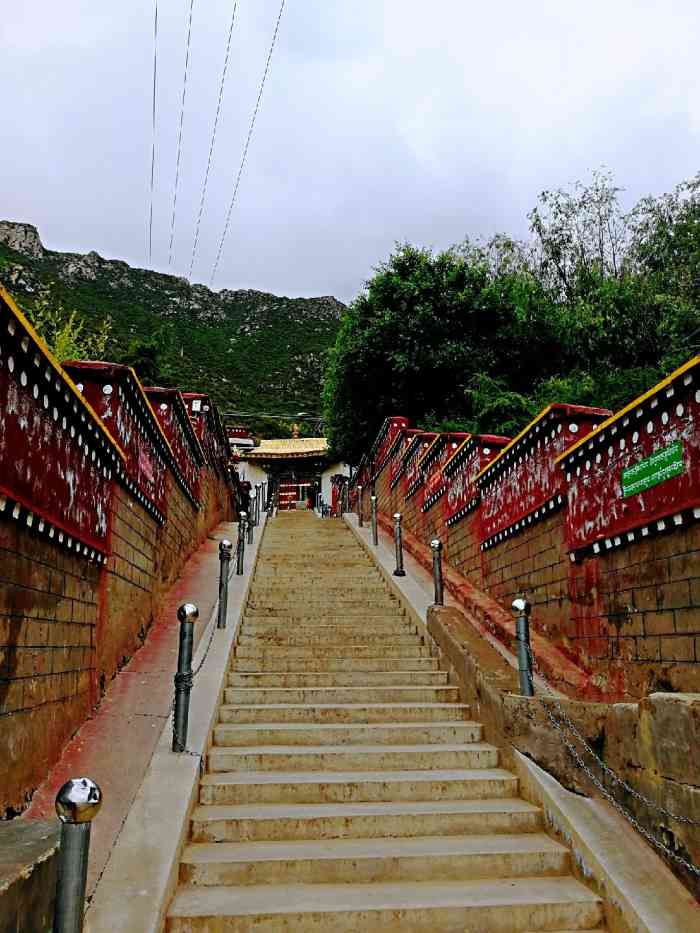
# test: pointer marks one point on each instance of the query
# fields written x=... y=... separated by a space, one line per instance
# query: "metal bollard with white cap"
x=360 y=520
x=240 y=544
x=77 y=803
x=225 y=552
x=436 y=547
x=373 y=506
x=188 y=615
x=398 y=544
x=521 y=607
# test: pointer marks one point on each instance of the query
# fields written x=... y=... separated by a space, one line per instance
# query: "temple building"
x=298 y=470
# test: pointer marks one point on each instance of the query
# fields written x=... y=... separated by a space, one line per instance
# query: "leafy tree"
x=594 y=308
x=65 y=332
x=147 y=356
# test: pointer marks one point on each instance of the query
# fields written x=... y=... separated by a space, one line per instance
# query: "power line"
x=179 y=141
x=153 y=141
x=247 y=142
x=213 y=138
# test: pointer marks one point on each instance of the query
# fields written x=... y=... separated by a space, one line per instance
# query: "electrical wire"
x=179 y=141
x=213 y=139
x=247 y=143
x=153 y=140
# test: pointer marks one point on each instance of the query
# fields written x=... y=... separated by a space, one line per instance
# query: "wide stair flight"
x=347 y=788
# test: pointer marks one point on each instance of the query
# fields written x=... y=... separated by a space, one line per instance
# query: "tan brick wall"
x=67 y=626
x=48 y=616
x=127 y=611
x=637 y=610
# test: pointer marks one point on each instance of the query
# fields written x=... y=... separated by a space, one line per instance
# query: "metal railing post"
x=188 y=615
x=436 y=547
x=375 y=532
x=77 y=803
x=240 y=543
x=225 y=552
x=521 y=608
x=250 y=524
x=360 y=521
x=398 y=544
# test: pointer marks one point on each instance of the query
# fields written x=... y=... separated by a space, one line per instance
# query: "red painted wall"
x=612 y=570
x=89 y=541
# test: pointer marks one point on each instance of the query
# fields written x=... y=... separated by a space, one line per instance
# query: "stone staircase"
x=347 y=788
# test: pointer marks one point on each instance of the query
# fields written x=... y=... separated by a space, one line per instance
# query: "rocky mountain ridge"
x=249 y=349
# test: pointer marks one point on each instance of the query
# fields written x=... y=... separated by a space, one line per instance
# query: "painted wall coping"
x=526 y=438
x=23 y=323
x=71 y=428
x=683 y=374
x=468 y=444
x=213 y=414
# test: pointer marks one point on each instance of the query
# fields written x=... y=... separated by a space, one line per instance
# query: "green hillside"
x=249 y=349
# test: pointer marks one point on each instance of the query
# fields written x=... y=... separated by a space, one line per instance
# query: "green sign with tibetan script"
x=661 y=465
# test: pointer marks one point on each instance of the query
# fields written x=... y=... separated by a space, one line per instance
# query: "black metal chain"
x=565 y=721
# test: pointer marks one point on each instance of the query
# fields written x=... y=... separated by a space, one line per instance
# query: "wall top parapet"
x=171 y=411
x=667 y=387
x=487 y=441
x=638 y=474
x=57 y=458
x=117 y=395
x=19 y=320
x=532 y=433
x=203 y=410
x=438 y=443
x=120 y=374
x=386 y=439
x=159 y=396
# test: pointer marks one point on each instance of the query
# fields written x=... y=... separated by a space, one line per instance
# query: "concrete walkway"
x=116 y=745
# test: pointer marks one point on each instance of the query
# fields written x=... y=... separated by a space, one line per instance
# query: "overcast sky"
x=382 y=120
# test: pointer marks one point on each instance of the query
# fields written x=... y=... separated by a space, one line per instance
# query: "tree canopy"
x=594 y=308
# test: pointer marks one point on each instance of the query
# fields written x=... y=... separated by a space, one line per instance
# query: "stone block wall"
x=651 y=744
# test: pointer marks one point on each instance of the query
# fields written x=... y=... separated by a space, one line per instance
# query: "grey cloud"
x=381 y=121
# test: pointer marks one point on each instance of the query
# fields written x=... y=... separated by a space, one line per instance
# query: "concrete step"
x=353 y=757
x=336 y=678
x=336 y=588
x=286 y=822
x=238 y=787
x=496 y=906
x=280 y=574
x=303 y=734
x=378 y=628
x=366 y=861
x=269 y=653
x=330 y=664
x=333 y=635
x=303 y=609
x=442 y=695
x=343 y=712
x=391 y=621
